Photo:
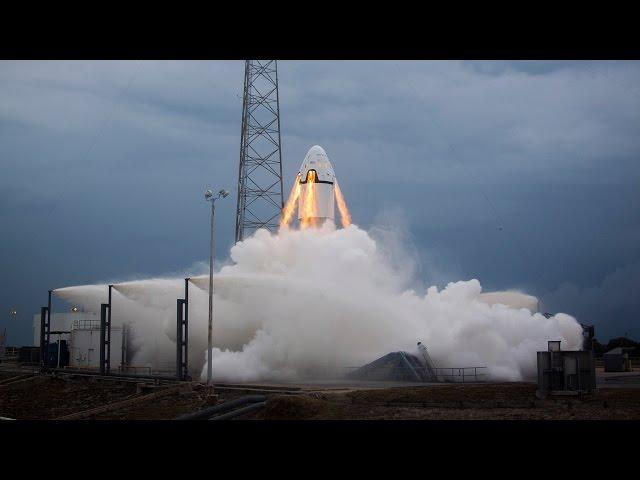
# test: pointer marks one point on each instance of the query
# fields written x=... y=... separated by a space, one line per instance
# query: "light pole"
x=208 y=196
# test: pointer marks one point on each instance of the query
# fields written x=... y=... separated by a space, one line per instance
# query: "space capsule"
x=316 y=202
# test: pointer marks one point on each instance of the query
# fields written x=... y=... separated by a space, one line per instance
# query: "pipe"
x=240 y=412
x=222 y=408
x=85 y=373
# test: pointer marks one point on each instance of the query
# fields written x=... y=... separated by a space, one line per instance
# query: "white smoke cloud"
x=315 y=303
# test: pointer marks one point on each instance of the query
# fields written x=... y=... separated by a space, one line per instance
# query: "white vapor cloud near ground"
x=311 y=304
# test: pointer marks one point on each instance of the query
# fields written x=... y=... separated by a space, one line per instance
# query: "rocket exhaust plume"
x=316 y=192
x=309 y=209
x=290 y=206
x=345 y=216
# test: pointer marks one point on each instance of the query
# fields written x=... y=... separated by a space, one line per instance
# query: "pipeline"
x=112 y=376
x=222 y=408
x=239 y=412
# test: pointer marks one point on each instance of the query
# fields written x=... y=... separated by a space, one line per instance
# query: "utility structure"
x=260 y=192
x=208 y=196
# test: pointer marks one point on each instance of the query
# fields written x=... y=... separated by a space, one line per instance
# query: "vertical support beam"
x=103 y=336
x=179 y=342
x=108 y=352
x=185 y=337
x=279 y=139
x=44 y=312
x=182 y=334
x=241 y=165
x=49 y=318
x=123 y=351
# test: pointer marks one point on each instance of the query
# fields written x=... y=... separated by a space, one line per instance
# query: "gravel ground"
x=45 y=397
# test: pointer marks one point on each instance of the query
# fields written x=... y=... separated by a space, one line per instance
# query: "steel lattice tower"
x=260 y=194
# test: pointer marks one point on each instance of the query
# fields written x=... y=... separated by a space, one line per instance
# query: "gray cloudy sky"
x=521 y=174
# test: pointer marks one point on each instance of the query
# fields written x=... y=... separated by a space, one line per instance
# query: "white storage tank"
x=84 y=345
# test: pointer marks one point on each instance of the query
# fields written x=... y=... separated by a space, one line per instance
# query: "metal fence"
x=442 y=374
x=461 y=374
x=86 y=324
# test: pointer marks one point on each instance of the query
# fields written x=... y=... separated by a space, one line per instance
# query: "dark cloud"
x=611 y=305
x=522 y=174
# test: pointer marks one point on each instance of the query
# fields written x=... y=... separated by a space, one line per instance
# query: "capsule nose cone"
x=316 y=150
x=317 y=159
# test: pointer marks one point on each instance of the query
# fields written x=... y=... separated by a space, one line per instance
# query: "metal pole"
x=210 y=333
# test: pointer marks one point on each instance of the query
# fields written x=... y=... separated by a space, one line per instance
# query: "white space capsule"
x=317 y=205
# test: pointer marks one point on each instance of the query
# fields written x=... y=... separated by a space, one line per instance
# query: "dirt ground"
x=42 y=397
x=509 y=401
x=45 y=397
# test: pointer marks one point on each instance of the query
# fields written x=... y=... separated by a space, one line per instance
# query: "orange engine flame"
x=345 y=216
x=309 y=212
x=290 y=206
x=309 y=207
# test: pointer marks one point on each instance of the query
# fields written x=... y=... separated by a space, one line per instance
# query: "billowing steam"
x=310 y=304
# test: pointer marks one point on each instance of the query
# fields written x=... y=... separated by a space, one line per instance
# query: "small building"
x=80 y=330
x=84 y=351
x=617 y=360
x=565 y=372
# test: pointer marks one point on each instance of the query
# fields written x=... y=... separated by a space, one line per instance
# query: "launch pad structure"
x=260 y=190
x=104 y=369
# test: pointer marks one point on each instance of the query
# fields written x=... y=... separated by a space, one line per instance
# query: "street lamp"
x=208 y=196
